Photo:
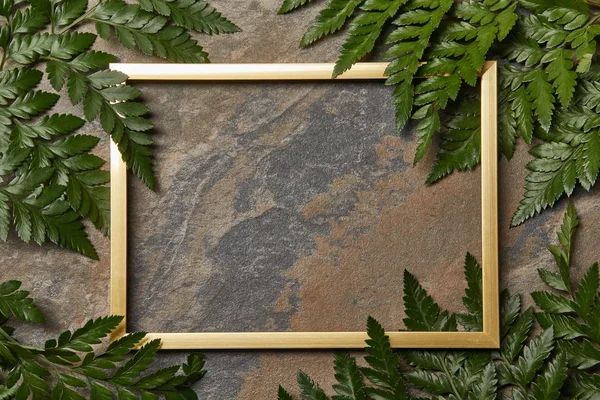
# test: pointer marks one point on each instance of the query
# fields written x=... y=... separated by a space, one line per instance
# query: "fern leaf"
x=560 y=72
x=136 y=28
x=121 y=117
x=195 y=15
x=548 y=385
x=91 y=60
x=66 y=230
x=533 y=357
x=17 y=303
x=69 y=45
x=124 y=344
x=472 y=300
x=541 y=96
x=91 y=333
x=516 y=336
x=551 y=303
x=513 y=104
x=194 y=368
x=460 y=146
x=564 y=326
x=16 y=82
x=291 y=5
x=540 y=29
x=562 y=280
x=423 y=314
x=584 y=386
x=510 y=308
x=432 y=382
x=587 y=291
x=494 y=21
x=330 y=19
x=425 y=360
x=432 y=95
x=68 y=11
x=540 y=6
x=557 y=166
x=7 y=393
x=25 y=49
x=158 y=378
x=31 y=104
x=349 y=381
x=89 y=199
x=485 y=387
x=522 y=109
x=552 y=279
x=409 y=41
x=282 y=394
x=383 y=365
x=580 y=355
x=592 y=328
x=364 y=29
x=309 y=389
x=524 y=50
x=135 y=366
x=29 y=20
x=427 y=127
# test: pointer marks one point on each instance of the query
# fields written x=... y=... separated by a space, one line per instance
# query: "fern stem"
x=80 y=19
x=596 y=17
x=4 y=54
x=14 y=342
x=52 y=27
x=5 y=49
x=451 y=380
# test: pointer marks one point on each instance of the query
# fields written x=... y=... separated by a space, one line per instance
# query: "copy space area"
x=290 y=207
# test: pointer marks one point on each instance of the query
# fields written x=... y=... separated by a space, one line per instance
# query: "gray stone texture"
x=284 y=207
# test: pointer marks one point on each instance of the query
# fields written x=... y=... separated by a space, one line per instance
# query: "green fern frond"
x=290 y=5
x=309 y=389
x=364 y=30
x=461 y=142
x=383 y=369
x=415 y=27
x=195 y=15
x=423 y=314
x=570 y=154
x=331 y=19
x=17 y=303
x=46 y=161
x=136 y=28
x=349 y=380
x=473 y=300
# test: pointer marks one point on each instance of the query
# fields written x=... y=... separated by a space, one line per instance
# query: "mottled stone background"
x=284 y=206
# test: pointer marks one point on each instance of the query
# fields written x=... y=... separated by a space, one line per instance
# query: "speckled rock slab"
x=288 y=207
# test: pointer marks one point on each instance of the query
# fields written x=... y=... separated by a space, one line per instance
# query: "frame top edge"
x=257 y=71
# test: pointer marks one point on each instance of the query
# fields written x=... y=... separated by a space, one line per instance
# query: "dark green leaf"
x=309 y=389
x=349 y=381
x=17 y=303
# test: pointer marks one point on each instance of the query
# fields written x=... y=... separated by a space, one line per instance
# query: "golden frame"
x=488 y=338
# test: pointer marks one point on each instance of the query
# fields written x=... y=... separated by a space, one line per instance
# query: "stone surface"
x=284 y=207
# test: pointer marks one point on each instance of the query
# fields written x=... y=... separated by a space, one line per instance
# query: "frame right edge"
x=489 y=201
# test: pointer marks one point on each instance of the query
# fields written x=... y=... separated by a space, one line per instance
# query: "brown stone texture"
x=285 y=207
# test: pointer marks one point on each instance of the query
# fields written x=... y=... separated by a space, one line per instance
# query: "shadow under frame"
x=488 y=338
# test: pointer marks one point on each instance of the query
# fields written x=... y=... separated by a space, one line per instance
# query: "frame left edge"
x=118 y=239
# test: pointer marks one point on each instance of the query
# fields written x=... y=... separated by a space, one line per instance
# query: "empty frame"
x=488 y=338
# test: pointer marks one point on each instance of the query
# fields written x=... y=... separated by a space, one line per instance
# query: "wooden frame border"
x=488 y=338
